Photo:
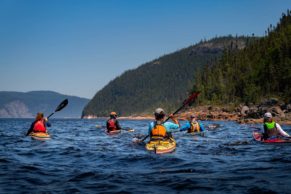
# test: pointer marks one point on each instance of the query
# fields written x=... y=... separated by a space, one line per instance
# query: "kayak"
x=161 y=146
x=40 y=136
x=113 y=132
x=202 y=134
x=258 y=137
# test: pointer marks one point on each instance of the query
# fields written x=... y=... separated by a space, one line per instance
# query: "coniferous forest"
x=260 y=70
x=225 y=70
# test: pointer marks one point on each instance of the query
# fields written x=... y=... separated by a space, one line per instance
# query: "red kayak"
x=258 y=137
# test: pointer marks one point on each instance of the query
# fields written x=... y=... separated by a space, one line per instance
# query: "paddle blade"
x=191 y=98
x=62 y=105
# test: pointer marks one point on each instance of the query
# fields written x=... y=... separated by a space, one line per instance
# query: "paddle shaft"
x=50 y=115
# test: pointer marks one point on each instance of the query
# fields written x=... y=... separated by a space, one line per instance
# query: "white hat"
x=159 y=111
x=268 y=115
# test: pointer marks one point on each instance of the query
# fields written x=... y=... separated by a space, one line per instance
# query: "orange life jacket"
x=158 y=131
x=195 y=127
x=39 y=126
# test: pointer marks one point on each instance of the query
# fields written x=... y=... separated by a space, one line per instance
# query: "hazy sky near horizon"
x=76 y=47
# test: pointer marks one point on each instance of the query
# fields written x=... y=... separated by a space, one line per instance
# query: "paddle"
x=186 y=102
x=62 y=105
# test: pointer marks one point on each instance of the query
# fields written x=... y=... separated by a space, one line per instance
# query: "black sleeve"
x=118 y=125
x=107 y=125
x=30 y=129
x=265 y=134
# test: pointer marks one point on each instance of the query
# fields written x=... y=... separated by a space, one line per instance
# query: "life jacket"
x=195 y=127
x=271 y=129
x=158 y=131
x=111 y=125
x=39 y=126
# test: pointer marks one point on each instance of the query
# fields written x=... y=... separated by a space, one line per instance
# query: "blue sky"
x=76 y=47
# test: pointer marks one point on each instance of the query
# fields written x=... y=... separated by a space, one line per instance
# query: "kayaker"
x=112 y=123
x=192 y=125
x=271 y=128
x=39 y=125
x=160 y=129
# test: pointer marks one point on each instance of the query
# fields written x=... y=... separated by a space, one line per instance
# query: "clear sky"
x=76 y=47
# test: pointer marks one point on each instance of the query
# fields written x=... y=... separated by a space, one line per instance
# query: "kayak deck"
x=113 y=132
x=161 y=146
x=258 y=137
x=40 y=135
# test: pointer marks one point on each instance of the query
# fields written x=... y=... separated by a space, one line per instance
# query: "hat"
x=268 y=115
x=159 y=111
x=192 y=116
x=113 y=114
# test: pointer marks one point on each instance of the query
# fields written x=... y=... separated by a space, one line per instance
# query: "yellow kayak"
x=161 y=146
x=40 y=135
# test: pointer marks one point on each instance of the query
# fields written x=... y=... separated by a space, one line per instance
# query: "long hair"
x=39 y=116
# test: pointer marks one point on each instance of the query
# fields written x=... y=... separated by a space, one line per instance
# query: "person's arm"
x=30 y=129
x=281 y=131
x=150 y=129
x=46 y=123
x=173 y=118
x=171 y=126
x=107 y=125
x=201 y=127
x=118 y=125
x=185 y=127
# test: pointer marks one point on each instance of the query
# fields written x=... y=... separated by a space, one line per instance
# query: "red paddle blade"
x=191 y=98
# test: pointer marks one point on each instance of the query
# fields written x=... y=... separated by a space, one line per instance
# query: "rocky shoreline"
x=244 y=113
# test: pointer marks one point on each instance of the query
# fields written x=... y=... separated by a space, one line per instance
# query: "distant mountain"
x=163 y=82
x=26 y=105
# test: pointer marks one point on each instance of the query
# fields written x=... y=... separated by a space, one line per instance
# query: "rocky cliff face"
x=15 y=109
x=26 y=105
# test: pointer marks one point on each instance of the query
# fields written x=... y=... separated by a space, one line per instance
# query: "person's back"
x=112 y=123
x=39 y=125
x=192 y=125
x=160 y=129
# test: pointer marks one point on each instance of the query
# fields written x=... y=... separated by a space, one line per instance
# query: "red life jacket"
x=39 y=126
x=111 y=125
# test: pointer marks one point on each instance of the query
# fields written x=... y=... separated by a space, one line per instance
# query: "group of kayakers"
x=161 y=128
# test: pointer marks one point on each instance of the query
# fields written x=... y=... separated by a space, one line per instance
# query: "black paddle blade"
x=191 y=98
x=62 y=105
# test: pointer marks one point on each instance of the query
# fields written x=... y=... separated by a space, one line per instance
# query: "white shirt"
x=281 y=131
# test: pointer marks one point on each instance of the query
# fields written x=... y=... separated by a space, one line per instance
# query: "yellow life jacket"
x=195 y=127
x=158 y=131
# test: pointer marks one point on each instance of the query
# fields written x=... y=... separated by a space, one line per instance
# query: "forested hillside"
x=260 y=70
x=163 y=82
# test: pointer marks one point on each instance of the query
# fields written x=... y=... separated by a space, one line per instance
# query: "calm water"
x=82 y=159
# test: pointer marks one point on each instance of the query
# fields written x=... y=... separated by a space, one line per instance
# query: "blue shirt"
x=168 y=125
x=188 y=126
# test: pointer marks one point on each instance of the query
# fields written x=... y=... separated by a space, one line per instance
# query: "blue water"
x=82 y=159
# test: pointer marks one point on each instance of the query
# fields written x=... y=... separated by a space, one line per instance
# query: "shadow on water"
x=81 y=158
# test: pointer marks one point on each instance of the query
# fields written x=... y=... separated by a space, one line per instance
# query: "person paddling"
x=192 y=125
x=39 y=125
x=160 y=129
x=112 y=123
x=271 y=128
